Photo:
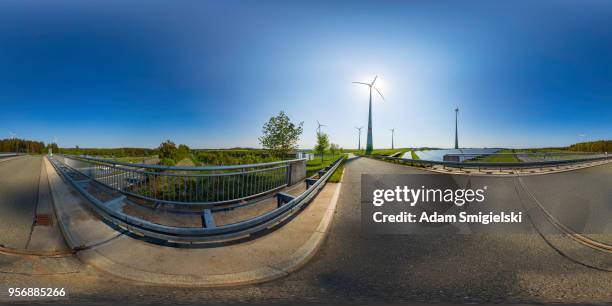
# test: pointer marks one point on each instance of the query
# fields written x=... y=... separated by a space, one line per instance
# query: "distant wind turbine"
x=456 y=131
x=392 y=134
x=369 y=145
x=319 y=125
x=359 y=142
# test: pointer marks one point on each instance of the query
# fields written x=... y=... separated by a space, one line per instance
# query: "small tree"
x=280 y=135
x=54 y=148
x=334 y=149
x=183 y=151
x=167 y=150
x=322 y=144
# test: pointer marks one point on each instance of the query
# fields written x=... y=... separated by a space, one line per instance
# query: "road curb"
x=310 y=248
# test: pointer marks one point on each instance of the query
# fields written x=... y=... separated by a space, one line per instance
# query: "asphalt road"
x=19 y=179
x=579 y=199
x=351 y=267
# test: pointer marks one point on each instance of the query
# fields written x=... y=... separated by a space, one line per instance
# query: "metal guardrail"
x=193 y=186
x=287 y=206
x=490 y=165
x=524 y=156
x=3 y=155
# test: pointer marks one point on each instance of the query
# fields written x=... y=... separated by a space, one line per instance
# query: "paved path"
x=350 y=267
x=19 y=179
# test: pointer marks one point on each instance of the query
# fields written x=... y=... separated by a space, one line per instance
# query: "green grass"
x=313 y=166
x=134 y=159
x=337 y=175
x=542 y=150
x=497 y=159
x=414 y=155
x=187 y=161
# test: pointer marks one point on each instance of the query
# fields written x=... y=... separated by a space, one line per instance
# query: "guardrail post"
x=310 y=182
x=207 y=219
x=282 y=198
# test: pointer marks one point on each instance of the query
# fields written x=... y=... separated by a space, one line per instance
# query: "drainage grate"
x=43 y=219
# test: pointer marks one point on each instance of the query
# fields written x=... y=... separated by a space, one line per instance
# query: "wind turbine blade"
x=376 y=77
x=378 y=91
x=361 y=83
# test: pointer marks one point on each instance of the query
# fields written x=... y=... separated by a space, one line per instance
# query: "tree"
x=334 y=149
x=322 y=144
x=592 y=146
x=21 y=145
x=182 y=152
x=280 y=135
x=54 y=148
x=167 y=150
x=183 y=148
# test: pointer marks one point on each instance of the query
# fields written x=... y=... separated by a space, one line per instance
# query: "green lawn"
x=497 y=159
x=313 y=166
x=134 y=159
x=337 y=175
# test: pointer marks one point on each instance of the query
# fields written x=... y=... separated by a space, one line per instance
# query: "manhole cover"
x=43 y=219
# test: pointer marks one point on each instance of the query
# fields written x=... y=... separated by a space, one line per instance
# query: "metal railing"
x=523 y=156
x=203 y=186
x=8 y=154
x=287 y=206
x=493 y=165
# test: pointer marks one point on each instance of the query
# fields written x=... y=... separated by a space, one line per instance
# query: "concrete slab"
x=261 y=259
x=80 y=226
x=265 y=258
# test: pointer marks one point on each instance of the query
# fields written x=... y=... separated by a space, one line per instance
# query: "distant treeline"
x=115 y=152
x=233 y=157
x=592 y=146
x=22 y=146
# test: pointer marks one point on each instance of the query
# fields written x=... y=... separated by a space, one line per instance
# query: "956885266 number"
x=36 y=292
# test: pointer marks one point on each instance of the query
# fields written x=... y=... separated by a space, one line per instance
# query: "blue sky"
x=209 y=74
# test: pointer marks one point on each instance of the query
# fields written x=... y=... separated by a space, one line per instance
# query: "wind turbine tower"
x=392 y=134
x=456 y=132
x=359 y=142
x=370 y=85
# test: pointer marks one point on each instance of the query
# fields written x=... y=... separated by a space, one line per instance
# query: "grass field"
x=337 y=175
x=313 y=166
x=497 y=158
x=188 y=162
x=135 y=159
